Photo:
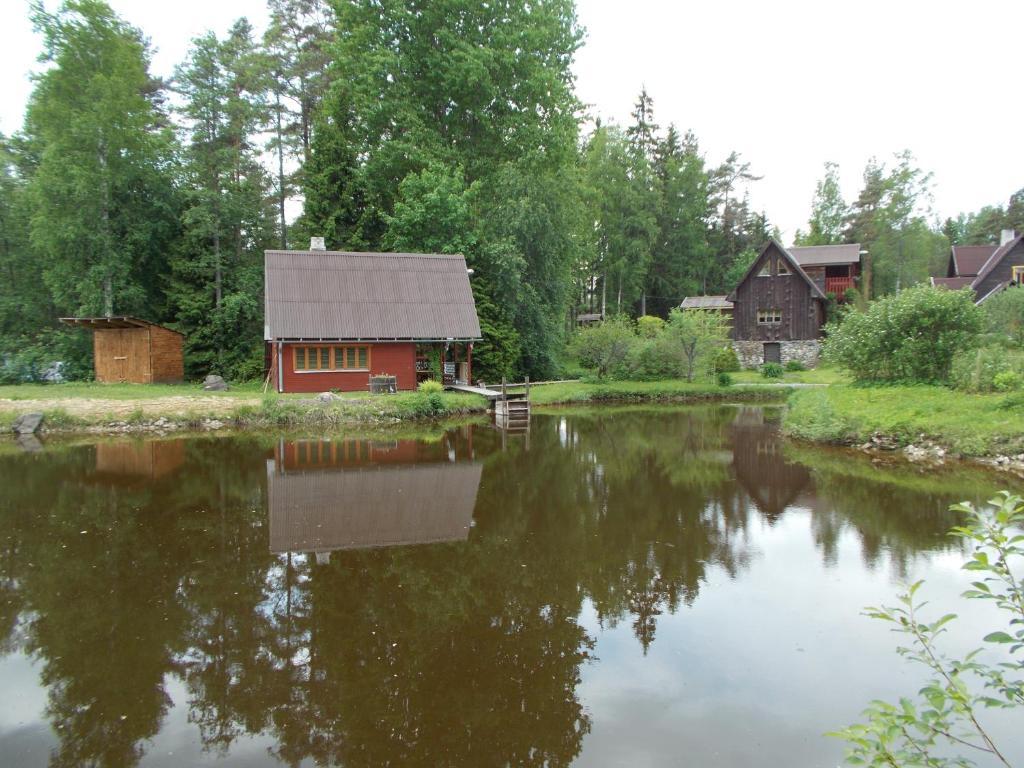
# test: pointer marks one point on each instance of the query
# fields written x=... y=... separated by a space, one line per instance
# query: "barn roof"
x=706 y=302
x=381 y=506
x=969 y=259
x=794 y=266
x=993 y=261
x=123 y=321
x=825 y=255
x=341 y=295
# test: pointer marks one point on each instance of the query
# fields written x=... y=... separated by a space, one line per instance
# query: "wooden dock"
x=511 y=409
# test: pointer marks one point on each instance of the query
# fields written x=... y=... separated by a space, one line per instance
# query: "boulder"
x=327 y=397
x=28 y=423
x=214 y=383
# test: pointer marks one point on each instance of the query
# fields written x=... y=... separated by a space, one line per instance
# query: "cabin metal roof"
x=826 y=255
x=993 y=261
x=351 y=296
x=706 y=302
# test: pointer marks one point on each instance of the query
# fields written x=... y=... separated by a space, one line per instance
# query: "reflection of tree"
x=464 y=653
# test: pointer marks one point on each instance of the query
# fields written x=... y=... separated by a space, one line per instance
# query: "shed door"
x=773 y=352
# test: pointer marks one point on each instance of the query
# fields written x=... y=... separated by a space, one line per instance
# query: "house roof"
x=999 y=287
x=123 y=321
x=382 y=506
x=706 y=302
x=952 y=283
x=993 y=261
x=794 y=266
x=969 y=259
x=825 y=255
x=341 y=295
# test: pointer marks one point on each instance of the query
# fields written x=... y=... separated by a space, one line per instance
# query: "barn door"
x=772 y=352
x=120 y=362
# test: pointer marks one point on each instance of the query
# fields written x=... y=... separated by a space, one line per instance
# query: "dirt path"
x=93 y=409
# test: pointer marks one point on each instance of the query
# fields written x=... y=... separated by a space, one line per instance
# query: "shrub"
x=653 y=359
x=605 y=346
x=771 y=371
x=795 y=365
x=1004 y=316
x=696 y=337
x=430 y=385
x=724 y=379
x=649 y=326
x=726 y=360
x=1007 y=381
x=976 y=370
x=911 y=336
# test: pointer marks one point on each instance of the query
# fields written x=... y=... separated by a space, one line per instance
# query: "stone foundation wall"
x=751 y=353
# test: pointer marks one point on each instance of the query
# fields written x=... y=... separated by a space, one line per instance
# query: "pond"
x=618 y=586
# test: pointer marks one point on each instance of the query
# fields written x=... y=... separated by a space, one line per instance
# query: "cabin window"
x=1018 y=275
x=769 y=316
x=766 y=269
x=332 y=358
x=783 y=267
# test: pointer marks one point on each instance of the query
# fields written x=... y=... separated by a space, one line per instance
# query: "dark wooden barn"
x=778 y=311
x=127 y=349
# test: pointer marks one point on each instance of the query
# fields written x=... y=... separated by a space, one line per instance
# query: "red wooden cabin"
x=334 y=319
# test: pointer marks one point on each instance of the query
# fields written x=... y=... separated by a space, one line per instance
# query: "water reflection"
x=125 y=566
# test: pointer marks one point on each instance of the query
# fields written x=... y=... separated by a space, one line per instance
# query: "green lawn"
x=94 y=390
x=974 y=425
x=670 y=389
x=812 y=376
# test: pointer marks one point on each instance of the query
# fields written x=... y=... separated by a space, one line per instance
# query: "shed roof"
x=706 y=302
x=368 y=296
x=969 y=259
x=824 y=255
x=123 y=321
x=952 y=283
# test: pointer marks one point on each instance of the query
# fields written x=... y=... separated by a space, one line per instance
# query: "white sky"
x=788 y=84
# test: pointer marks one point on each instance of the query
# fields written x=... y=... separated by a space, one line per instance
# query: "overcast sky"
x=789 y=85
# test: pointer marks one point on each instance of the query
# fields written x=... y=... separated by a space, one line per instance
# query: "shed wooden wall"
x=167 y=357
x=122 y=354
x=1002 y=272
x=802 y=314
x=138 y=355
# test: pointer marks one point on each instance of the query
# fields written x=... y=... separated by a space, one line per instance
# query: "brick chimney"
x=317 y=244
x=1006 y=236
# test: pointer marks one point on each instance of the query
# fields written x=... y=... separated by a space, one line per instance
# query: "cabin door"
x=772 y=352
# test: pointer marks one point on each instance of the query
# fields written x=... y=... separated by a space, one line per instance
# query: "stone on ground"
x=214 y=383
x=28 y=423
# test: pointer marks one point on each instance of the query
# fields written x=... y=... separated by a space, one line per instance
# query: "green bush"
x=1008 y=381
x=653 y=359
x=724 y=379
x=649 y=326
x=430 y=385
x=795 y=365
x=911 y=336
x=771 y=371
x=726 y=360
x=1004 y=316
x=606 y=346
x=976 y=370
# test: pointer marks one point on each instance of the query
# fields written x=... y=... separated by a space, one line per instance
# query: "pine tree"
x=828 y=211
x=228 y=220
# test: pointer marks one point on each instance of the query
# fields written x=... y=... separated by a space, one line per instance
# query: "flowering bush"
x=910 y=336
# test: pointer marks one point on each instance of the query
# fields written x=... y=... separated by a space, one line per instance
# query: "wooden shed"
x=133 y=350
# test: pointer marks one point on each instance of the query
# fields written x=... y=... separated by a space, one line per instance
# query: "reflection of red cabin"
x=326 y=495
x=333 y=319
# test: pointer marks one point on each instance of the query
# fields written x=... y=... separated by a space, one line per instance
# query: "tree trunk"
x=280 y=171
x=643 y=303
x=604 y=295
x=108 y=278
x=618 y=297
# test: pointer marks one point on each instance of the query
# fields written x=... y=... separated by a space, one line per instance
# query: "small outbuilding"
x=127 y=349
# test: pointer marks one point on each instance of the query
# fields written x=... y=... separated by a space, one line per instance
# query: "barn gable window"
x=347 y=358
x=783 y=267
x=766 y=269
x=769 y=316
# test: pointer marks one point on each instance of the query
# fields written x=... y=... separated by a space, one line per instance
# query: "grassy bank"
x=123 y=407
x=972 y=425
